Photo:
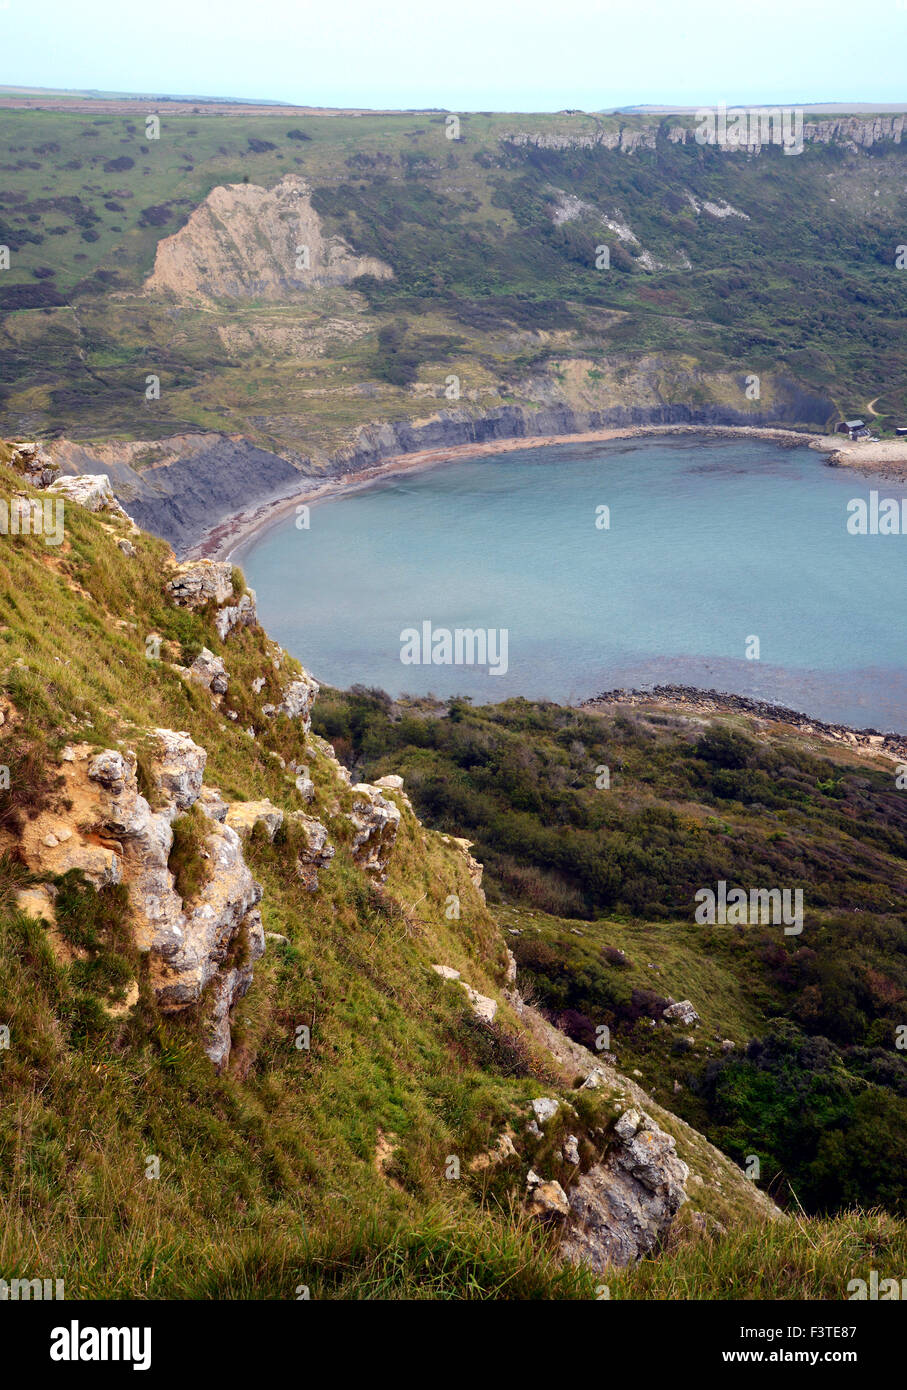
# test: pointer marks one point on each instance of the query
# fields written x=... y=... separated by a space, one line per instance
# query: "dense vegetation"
x=815 y=1086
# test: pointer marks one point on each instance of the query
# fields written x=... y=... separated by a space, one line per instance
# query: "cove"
x=708 y=543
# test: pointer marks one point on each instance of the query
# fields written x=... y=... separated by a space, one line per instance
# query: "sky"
x=495 y=55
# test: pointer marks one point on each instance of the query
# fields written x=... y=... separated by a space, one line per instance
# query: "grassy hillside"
x=324 y=1167
x=493 y=247
x=815 y=1082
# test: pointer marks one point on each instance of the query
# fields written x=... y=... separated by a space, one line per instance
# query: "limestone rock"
x=570 y=1150
x=243 y=816
x=89 y=490
x=198 y=951
x=179 y=766
x=243 y=613
x=376 y=821
x=317 y=852
x=198 y=582
x=243 y=242
x=545 y=1108
x=213 y=804
x=682 y=1012
x=547 y=1201
x=37 y=466
x=304 y=784
x=208 y=670
x=298 y=698
x=447 y=972
x=503 y=1150
x=623 y=1207
x=473 y=867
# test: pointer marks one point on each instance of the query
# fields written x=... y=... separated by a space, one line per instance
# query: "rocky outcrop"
x=247 y=242
x=232 y=615
x=482 y=1006
x=296 y=701
x=207 y=670
x=853 y=132
x=316 y=851
x=681 y=1012
x=622 y=1208
x=91 y=491
x=201 y=952
x=34 y=463
x=244 y=816
x=473 y=867
x=376 y=822
x=197 y=583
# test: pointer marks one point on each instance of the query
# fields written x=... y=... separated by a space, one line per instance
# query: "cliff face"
x=182 y=488
x=179 y=487
x=248 y=242
x=851 y=132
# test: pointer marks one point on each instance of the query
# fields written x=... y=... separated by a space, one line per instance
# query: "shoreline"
x=694 y=700
x=235 y=532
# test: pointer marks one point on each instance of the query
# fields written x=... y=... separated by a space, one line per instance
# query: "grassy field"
x=488 y=283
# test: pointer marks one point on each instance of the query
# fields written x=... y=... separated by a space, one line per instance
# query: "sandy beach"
x=225 y=540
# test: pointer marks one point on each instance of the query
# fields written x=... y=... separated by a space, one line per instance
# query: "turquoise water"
x=710 y=544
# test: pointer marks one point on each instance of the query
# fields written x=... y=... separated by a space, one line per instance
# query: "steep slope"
x=368 y=1108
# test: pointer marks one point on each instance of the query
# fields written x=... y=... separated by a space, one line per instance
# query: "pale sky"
x=517 y=55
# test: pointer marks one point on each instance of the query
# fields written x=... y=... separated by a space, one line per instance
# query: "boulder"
x=304 y=784
x=547 y=1201
x=570 y=1150
x=545 y=1108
